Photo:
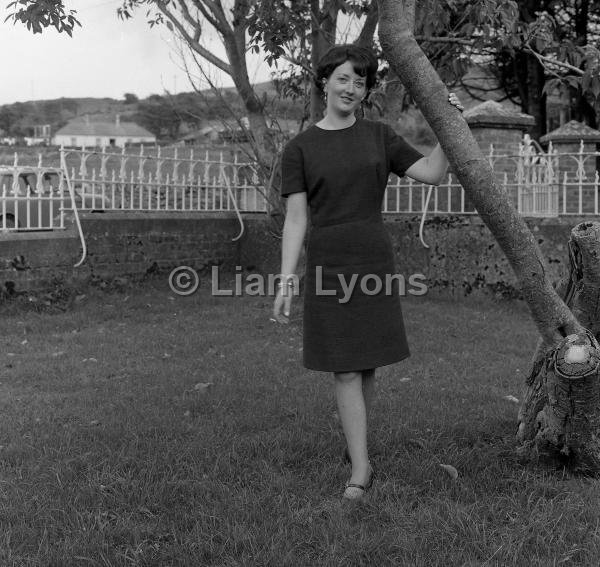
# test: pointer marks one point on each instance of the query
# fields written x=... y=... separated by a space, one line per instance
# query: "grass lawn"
x=145 y=428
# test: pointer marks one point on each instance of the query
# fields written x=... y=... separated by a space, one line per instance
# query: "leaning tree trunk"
x=553 y=318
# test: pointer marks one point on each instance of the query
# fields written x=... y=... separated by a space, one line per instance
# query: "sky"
x=106 y=57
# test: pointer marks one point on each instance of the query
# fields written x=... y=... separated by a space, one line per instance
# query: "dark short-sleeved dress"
x=345 y=173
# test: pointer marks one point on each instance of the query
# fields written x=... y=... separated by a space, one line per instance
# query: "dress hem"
x=354 y=367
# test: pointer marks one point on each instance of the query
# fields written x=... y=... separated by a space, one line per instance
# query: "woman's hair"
x=363 y=61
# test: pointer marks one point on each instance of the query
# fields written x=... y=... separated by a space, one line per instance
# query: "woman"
x=339 y=168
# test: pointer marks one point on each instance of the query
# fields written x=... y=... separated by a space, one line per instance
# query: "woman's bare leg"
x=368 y=386
x=353 y=416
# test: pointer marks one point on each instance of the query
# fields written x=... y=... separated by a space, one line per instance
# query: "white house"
x=79 y=133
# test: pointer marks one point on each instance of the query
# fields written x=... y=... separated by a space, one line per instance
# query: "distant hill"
x=170 y=117
x=167 y=116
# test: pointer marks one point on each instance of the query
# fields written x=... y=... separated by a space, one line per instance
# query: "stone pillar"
x=575 y=145
x=494 y=125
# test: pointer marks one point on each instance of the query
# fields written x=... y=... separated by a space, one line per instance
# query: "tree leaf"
x=452 y=472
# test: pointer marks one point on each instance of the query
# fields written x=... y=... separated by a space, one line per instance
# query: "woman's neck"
x=333 y=121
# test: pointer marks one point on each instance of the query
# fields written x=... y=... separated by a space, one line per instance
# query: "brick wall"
x=118 y=244
x=505 y=141
x=463 y=258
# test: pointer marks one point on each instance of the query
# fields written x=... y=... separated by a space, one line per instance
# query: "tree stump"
x=560 y=415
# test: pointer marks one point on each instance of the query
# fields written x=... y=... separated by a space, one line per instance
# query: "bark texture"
x=584 y=291
x=560 y=415
x=552 y=317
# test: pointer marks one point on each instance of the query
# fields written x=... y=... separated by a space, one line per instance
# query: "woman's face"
x=345 y=90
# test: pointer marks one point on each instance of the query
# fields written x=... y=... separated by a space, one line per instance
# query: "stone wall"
x=118 y=244
x=463 y=258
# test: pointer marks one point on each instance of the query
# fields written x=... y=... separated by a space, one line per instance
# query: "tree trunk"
x=555 y=322
x=235 y=48
x=583 y=109
x=323 y=29
x=367 y=33
x=536 y=98
x=393 y=98
x=529 y=76
x=474 y=172
x=261 y=140
x=559 y=418
x=532 y=75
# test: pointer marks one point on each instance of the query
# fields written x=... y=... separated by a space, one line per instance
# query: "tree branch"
x=199 y=6
x=193 y=42
x=432 y=39
x=543 y=59
x=546 y=60
x=217 y=13
x=365 y=38
x=192 y=21
x=240 y=15
x=295 y=61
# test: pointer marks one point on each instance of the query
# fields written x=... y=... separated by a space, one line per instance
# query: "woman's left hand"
x=455 y=101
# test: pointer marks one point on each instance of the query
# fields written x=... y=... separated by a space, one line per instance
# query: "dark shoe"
x=358 y=491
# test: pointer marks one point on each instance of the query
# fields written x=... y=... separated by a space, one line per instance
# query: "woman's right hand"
x=283 y=302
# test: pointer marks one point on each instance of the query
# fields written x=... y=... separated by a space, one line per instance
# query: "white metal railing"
x=538 y=183
x=408 y=196
x=38 y=197
x=33 y=197
x=145 y=182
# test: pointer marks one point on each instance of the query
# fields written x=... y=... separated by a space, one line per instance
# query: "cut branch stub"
x=560 y=417
x=585 y=275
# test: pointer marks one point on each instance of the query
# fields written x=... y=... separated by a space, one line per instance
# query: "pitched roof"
x=572 y=130
x=123 y=129
x=491 y=113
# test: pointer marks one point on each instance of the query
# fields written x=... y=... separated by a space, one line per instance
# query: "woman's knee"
x=347 y=377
